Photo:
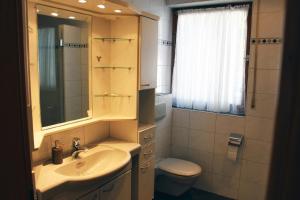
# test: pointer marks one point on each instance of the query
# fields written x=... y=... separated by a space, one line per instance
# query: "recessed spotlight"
x=54 y=14
x=101 y=6
x=37 y=10
x=82 y=1
x=118 y=11
x=72 y=17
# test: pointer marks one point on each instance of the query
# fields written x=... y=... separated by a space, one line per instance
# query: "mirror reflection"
x=63 y=65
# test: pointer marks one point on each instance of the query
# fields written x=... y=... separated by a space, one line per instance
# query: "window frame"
x=248 y=43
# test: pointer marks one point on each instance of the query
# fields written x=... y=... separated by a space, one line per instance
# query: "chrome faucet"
x=77 y=149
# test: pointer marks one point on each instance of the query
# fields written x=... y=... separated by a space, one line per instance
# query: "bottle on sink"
x=57 y=153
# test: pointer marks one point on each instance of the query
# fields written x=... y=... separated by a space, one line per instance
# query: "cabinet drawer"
x=147 y=152
x=118 y=189
x=91 y=196
x=146 y=181
x=146 y=136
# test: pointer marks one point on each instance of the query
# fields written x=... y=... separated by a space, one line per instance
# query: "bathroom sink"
x=97 y=164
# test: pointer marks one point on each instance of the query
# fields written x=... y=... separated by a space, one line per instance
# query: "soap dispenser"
x=57 y=153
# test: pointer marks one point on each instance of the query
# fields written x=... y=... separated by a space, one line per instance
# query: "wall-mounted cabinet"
x=148 y=52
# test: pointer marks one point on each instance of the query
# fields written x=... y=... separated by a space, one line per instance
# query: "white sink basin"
x=97 y=164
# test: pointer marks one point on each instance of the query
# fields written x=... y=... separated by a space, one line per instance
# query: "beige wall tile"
x=259 y=129
x=225 y=186
x=269 y=5
x=162 y=142
x=225 y=167
x=254 y=172
x=163 y=132
x=179 y=152
x=201 y=140
x=221 y=144
x=265 y=106
x=204 y=121
x=44 y=152
x=202 y=158
x=230 y=124
x=252 y=191
x=96 y=132
x=257 y=151
x=269 y=56
x=270 y=25
x=205 y=182
x=180 y=136
x=66 y=138
x=181 y=117
x=267 y=81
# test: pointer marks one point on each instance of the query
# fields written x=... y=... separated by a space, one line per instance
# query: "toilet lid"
x=179 y=167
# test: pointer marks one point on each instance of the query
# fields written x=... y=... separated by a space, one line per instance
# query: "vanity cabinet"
x=146 y=180
x=117 y=189
x=91 y=196
x=146 y=163
x=148 y=52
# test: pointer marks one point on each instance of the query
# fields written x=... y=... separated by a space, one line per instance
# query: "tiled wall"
x=88 y=134
x=202 y=137
x=163 y=129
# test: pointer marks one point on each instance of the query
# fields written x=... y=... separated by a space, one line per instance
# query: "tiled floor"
x=191 y=195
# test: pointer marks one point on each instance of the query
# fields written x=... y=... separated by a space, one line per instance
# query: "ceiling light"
x=118 y=11
x=54 y=14
x=82 y=1
x=37 y=10
x=101 y=6
x=72 y=17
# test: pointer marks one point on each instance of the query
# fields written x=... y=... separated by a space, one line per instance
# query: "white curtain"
x=209 y=68
x=47 y=58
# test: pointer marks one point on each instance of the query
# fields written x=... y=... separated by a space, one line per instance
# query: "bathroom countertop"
x=46 y=179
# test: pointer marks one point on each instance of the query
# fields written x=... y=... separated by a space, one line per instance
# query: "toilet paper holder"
x=235 y=139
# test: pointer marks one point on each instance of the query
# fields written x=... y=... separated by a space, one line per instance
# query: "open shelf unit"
x=146 y=109
x=114 y=67
x=112 y=95
x=114 y=39
x=115 y=62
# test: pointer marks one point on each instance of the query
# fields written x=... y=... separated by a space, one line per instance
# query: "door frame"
x=15 y=173
x=285 y=167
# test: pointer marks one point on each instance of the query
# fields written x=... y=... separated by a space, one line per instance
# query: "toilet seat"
x=179 y=167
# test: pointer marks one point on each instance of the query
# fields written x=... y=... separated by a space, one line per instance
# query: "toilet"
x=175 y=176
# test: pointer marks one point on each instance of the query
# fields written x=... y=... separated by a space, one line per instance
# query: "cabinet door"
x=118 y=189
x=149 y=48
x=146 y=181
x=91 y=196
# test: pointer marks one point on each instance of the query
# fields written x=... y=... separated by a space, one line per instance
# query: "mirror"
x=63 y=64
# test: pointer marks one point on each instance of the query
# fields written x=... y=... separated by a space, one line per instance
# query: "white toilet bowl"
x=176 y=176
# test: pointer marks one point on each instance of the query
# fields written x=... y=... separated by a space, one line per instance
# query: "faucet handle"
x=76 y=143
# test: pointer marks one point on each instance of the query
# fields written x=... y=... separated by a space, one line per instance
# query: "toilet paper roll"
x=232 y=152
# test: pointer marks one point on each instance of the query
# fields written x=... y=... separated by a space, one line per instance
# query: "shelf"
x=113 y=39
x=113 y=67
x=143 y=126
x=113 y=95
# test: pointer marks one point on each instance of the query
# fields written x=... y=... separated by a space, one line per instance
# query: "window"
x=209 y=65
